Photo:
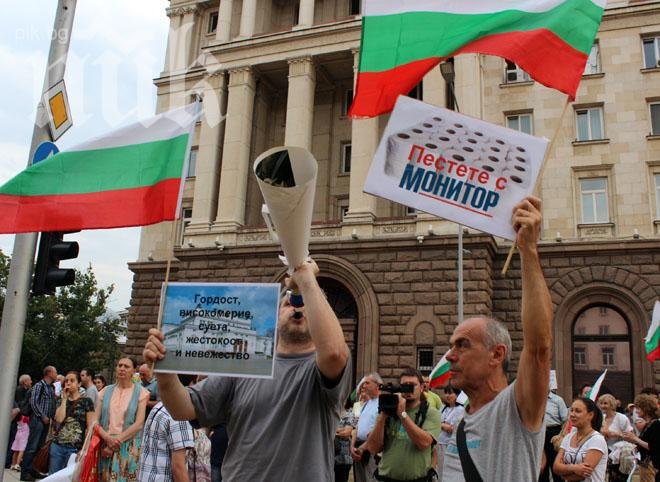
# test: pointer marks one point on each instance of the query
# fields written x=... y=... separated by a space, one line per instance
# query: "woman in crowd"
x=648 y=441
x=99 y=381
x=74 y=414
x=343 y=460
x=614 y=425
x=583 y=452
x=451 y=414
x=120 y=411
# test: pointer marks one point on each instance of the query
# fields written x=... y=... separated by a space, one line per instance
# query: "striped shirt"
x=42 y=399
x=162 y=435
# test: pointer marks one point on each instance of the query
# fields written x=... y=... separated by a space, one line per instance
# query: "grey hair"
x=375 y=376
x=23 y=378
x=495 y=333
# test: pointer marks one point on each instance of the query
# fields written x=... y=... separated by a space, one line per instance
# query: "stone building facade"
x=281 y=72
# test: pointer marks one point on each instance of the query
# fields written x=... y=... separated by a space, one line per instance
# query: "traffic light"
x=47 y=273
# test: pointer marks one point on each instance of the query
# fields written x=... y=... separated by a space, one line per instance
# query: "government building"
x=281 y=72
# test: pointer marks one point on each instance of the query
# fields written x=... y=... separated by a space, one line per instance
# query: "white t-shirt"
x=576 y=455
x=620 y=424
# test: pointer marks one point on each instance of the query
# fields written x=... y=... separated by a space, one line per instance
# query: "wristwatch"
x=403 y=416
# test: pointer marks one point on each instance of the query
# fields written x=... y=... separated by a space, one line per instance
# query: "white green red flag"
x=652 y=340
x=403 y=39
x=440 y=374
x=129 y=177
x=593 y=393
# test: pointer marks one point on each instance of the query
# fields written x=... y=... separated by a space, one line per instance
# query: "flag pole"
x=537 y=185
x=20 y=270
x=175 y=221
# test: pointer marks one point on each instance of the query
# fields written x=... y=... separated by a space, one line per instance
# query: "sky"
x=117 y=49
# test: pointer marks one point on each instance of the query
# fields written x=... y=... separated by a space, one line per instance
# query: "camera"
x=388 y=402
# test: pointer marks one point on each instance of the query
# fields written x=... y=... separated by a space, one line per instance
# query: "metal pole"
x=20 y=270
x=460 y=273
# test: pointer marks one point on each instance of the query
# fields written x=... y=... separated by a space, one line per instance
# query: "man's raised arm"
x=174 y=395
x=531 y=389
x=324 y=327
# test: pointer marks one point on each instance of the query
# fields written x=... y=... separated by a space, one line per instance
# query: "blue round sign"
x=44 y=151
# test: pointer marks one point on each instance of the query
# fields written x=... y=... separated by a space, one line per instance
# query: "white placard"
x=459 y=168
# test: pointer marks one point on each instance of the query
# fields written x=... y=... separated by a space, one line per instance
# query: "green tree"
x=71 y=330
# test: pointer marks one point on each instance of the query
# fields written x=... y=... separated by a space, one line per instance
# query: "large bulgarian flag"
x=652 y=340
x=129 y=177
x=403 y=39
x=440 y=374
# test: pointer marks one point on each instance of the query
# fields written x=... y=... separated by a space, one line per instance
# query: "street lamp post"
x=448 y=73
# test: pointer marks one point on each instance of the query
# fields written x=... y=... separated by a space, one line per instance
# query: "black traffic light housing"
x=47 y=274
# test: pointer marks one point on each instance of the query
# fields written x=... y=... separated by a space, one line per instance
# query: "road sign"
x=57 y=106
x=44 y=151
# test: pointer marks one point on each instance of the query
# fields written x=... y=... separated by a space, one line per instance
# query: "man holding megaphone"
x=280 y=429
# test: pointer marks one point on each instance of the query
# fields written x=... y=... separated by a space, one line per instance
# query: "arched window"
x=601 y=340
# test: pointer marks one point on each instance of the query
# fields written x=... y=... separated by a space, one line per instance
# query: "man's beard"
x=293 y=336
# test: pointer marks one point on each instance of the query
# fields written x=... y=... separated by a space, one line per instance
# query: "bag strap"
x=469 y=470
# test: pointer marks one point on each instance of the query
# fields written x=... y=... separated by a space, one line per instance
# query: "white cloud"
x=134 y=34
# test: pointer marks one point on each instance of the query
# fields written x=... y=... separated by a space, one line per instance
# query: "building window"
x=296 y=13
x=425 y=360
x=589 y=124
x=346 y=158
x=213 y=22
x=342 y=208
x=580 y=356
x=608 y=356
x=192 y=163
x=657 y=195
x=651 y=52
x=410 y=211
x=346 y=101
x=593 y=62
x=595 y=348
x=354 y=7
x=186 y=217
x=593 y=193
x=417 y=92
x=655 y=118
x=520 y=122
x=515 y=74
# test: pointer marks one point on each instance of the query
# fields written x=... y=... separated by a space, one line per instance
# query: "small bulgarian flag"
x=440 y=374
x=403 y=39
x=593 y=393
x=129 y=177
x=652 y=340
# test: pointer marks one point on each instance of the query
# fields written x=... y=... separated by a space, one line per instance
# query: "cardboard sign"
x=220 y=328
x=454 y=166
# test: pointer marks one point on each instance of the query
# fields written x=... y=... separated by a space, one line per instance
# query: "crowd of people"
x=301 y=424
x=139 y=439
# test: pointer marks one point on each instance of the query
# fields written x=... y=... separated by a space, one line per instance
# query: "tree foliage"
x=71 y=330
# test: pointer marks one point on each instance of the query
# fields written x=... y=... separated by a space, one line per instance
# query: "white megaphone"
x=287 y=179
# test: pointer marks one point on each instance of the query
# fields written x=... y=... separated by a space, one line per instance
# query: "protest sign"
x=454 y=166
x=220 y=328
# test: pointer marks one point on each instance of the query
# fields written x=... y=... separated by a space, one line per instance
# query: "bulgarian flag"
x=652 y=340
x=129 y=177
x=440 y=374
x=403 y=39
x=593 y=393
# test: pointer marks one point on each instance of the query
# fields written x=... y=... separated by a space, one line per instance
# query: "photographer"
x=405 y=432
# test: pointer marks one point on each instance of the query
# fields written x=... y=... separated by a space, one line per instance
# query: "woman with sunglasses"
x=583 y=452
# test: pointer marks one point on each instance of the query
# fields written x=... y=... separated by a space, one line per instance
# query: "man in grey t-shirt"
x=503 y=423
x=87 y=382
x=280 y=429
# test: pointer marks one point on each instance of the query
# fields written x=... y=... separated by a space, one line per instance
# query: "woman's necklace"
x=580 y=438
